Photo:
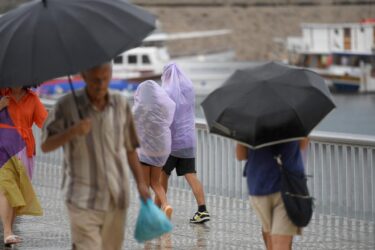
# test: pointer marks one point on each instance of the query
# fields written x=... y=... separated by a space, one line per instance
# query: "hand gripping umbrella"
x=45 y=39
x=268 y=104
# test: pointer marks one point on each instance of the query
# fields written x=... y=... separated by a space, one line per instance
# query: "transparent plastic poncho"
x=180 y=89
x=153 y=112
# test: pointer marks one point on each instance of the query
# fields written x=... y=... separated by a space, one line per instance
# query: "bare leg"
x=157 y=187
x=14 y=218
x=267 y=240
x=281 y=242
x=146 y=174
x=164 y=183
x=159 y=191
x=7 y=215
x=197 y=188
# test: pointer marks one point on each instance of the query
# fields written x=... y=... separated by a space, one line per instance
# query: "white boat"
x=148 y=60
x=343 y=53
x=136 y=65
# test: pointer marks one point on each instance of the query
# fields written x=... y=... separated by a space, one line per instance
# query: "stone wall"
x=255 y=29
x=258 y=26
x=250 y=2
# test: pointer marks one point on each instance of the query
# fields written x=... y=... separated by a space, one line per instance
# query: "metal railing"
x=341 y=165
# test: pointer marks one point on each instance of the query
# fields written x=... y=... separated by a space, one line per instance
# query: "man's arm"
x=304 y=143
x=135 y=167
x=53 y=142
x=241 y=152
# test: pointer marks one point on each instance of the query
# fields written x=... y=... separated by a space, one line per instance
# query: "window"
x=118 y=60
x=145 y=59
x=132 y=59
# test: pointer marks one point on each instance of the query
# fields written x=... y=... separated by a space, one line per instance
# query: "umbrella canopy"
x=46 y=39
x=268 y=104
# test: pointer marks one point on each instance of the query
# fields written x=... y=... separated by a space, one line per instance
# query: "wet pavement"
x=233 y=225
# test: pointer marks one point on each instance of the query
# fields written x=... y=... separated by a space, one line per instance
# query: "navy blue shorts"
x=182 y=165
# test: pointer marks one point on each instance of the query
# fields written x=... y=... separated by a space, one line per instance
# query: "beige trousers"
x=96 y=230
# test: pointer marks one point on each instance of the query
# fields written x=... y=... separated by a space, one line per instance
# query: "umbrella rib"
x=115 y=24
x=277 y=94
x=92 y=36
x=10 y=39
x=63 y=45
x=69 y=57
x=33 y=45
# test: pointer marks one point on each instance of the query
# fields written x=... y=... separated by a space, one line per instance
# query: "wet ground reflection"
x=233 y=225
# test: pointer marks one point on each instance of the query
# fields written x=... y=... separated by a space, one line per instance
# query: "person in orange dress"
x=20 y=108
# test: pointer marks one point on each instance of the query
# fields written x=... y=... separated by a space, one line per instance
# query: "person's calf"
x=196 y=187
x=281 y=242
x=157 y=201
x=7 y=215
x=267 y=240
x=164 y=183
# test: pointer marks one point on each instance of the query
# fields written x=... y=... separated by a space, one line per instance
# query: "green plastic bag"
x=151 y=222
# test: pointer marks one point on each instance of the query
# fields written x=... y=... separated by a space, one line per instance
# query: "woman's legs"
x=152 y=179
x=159 y=190
x=164 y=183
x=157 y=187
x=7 y=215
x=146 y=174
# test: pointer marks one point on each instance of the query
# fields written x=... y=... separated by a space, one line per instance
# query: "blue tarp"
x=63 y=87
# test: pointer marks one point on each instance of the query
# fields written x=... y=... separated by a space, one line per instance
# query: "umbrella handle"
x=75 y=98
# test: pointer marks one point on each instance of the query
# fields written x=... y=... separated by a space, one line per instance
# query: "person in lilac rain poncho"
x=153 y=113
x=182 y=158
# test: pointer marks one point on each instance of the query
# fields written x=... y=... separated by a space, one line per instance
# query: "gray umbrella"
x=268 y=104
x=44 y=39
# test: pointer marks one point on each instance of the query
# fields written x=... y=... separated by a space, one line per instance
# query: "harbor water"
x=354 y=114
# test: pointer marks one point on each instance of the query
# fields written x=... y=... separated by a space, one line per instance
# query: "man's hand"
x=143 y=191
x=83 y=127
x=4 y=102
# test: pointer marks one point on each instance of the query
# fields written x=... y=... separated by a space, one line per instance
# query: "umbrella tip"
x=44 y=3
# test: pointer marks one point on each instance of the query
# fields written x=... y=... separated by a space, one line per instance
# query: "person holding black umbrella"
x=267 y=109
x=67 y=37
x=98 y=150
x=263 y=179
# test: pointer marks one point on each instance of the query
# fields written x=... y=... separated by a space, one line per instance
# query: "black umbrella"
x=268 y=104
x=45 y=39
